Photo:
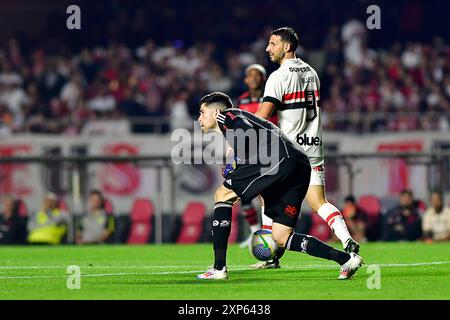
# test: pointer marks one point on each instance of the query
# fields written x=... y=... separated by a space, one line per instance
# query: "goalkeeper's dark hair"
x=221 y=100
x=287 y=34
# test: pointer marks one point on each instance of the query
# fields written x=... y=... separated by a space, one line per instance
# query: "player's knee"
x=281 y=238
x=316 y=197
x=225 y=195
x=220 y=195
x=316 y=203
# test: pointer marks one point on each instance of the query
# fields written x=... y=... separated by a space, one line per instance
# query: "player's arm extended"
x=265 y=109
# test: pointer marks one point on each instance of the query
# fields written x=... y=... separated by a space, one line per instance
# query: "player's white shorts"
x=317 y=176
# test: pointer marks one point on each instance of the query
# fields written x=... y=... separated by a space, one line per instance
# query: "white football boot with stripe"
x=349 y=268
x=272 y=264
x=214 y=274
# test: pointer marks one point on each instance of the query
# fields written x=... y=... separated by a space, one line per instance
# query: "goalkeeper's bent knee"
x=225 y=195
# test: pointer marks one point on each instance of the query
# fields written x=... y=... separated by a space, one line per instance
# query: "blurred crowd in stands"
x=49 y=225
x=148 y=63
x=405 y=87
x=399 y=85
x=408 y=220
x=368 y=219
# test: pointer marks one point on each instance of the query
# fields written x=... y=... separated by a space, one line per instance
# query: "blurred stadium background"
x=73 y=100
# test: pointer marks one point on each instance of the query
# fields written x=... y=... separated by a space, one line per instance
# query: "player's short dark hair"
x=220 y=99
x=287 y=34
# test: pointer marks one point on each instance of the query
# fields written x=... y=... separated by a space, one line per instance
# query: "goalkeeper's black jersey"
x=256 y=141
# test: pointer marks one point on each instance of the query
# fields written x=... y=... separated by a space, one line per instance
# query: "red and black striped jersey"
x=247 y=103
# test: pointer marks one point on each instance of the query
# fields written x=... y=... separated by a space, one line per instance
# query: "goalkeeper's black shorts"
x=283 y=187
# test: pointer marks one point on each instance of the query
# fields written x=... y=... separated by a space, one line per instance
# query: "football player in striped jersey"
x=293 y=93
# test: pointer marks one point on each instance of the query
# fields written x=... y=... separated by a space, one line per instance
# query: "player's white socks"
x=333 y=217
x=266 y=221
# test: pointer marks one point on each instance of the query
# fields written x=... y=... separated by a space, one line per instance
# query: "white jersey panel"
x=295 y=90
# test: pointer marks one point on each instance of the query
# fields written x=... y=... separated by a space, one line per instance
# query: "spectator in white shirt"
x=436 y=220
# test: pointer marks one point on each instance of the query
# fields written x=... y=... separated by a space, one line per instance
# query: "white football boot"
x=349 y=268
x=272 y=264
x=214 y=274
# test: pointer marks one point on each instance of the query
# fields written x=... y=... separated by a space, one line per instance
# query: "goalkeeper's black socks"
x=221 y=227
x=315 y=247
x=278 y=253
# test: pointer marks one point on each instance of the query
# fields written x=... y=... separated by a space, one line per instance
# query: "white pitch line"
x=98 y=267
x=105 y=274
x=311 y=267
x=308 y=266
x=412 y=264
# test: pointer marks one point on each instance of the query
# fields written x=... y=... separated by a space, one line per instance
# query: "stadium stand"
x=319 y=228
x=49 y=88
x=234 y=234
x=109 y=207
x=192 y=223
x=62 y=204
x=371 y=205
x=388 y=204
x=22 y=208
x=141 y=221
x=61 y=86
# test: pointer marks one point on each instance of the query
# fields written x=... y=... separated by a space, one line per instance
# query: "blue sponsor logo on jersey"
x=304 y=140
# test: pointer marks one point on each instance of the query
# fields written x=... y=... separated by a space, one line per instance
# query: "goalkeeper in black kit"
x=264 y=163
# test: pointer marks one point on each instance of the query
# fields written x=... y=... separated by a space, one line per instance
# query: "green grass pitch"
x=407 y=271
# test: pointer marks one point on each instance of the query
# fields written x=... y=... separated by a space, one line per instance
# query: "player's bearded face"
x=275 y=49
x=207 y=118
